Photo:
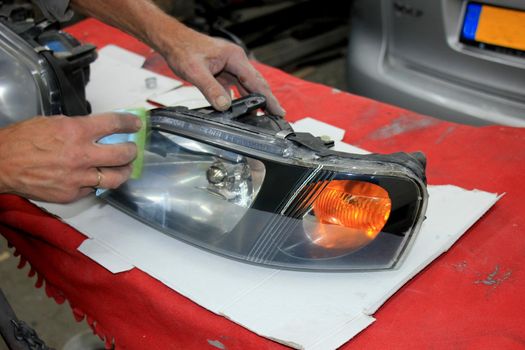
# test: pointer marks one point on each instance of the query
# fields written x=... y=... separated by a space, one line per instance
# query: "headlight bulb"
x=231 y=181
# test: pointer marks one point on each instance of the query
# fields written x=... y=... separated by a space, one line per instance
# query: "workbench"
x=469 y=298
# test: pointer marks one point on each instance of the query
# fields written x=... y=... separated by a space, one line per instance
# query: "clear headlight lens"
x=192 y=186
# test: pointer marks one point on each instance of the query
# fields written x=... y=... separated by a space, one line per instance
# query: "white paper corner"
x=104 y=256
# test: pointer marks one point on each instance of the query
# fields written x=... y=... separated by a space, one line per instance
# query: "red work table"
x=472 y=297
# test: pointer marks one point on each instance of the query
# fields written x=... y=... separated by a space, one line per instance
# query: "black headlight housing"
x=248 y=187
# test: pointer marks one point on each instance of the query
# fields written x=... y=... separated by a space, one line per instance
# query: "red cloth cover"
x=469 y=298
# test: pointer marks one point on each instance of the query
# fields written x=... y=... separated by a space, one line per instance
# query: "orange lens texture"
x=349 y=214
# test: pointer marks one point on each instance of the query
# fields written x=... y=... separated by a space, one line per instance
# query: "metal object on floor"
x=17 y=334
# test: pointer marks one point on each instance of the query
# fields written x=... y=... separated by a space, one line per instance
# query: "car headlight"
x=246 y=186
x=26 y=89
x=42 y=72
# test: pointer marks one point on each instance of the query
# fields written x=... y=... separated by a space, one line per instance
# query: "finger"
x=93 y=177
x=216 y=95
x=253 y=81
x=118 y=154
x=84 y=192
x=228 y=80
x=273 y=106
x=242 y=90
x=113 y=177
x=112 y=123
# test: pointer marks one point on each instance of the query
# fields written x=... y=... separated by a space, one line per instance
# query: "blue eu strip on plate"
x=471 y=21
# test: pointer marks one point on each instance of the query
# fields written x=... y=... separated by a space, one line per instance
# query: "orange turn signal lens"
x=349 y=214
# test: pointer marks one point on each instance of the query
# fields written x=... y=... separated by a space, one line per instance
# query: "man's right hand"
x=57 y=159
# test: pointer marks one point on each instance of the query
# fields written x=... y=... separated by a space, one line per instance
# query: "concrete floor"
x=55 y=323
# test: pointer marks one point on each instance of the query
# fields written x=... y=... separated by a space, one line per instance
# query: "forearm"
x=212 y=65
x=140 y=18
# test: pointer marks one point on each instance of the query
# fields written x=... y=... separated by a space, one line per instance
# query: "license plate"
x=494 y=26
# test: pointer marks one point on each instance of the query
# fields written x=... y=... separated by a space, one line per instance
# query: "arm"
x=210 y=64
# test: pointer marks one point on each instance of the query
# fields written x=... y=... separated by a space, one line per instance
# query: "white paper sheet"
x=318 y=128
x=187 y=96
x=301 y=309
x=114 y=84
x=97 y=251
x=122 y=55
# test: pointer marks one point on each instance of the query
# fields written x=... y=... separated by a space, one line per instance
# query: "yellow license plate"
x=495 y=26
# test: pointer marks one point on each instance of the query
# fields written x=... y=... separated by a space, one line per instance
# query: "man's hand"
x=212 y=65
x=58 y=159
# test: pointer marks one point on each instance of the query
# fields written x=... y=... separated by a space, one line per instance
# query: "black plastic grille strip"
x=279 y=228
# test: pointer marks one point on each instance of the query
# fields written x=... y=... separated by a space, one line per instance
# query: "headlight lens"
x=36 y=80
x=27 y=83
x=242 y=191
x=348 y=214
x=188 y=185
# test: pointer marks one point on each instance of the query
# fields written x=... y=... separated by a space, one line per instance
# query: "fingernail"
x=282 y=111
x=222 y=102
